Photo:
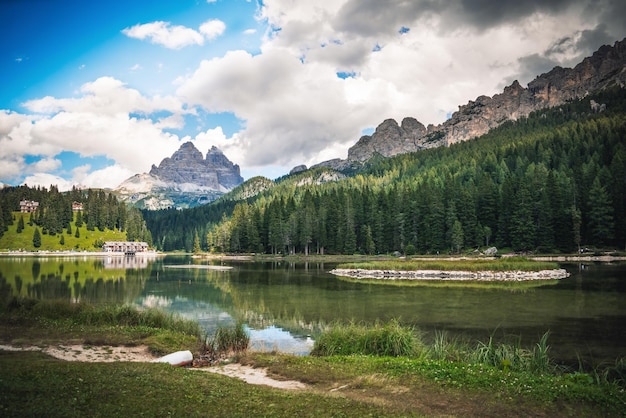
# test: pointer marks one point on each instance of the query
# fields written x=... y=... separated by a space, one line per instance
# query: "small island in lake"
x=491 y=270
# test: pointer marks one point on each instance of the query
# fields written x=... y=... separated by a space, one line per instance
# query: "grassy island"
x=459 y=264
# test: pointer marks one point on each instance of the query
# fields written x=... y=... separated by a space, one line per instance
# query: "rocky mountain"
x=186 y=179
x=604 y=69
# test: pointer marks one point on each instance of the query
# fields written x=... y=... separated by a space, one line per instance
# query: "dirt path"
x=87 y=353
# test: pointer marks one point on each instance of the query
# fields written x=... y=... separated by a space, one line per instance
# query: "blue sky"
x=94 y=92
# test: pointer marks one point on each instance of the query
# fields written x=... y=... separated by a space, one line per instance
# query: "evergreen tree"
x=600 y=214
x=36 y=238
x=62 y=241
x=20 y=224
x=457 y=236
x=522 y=229
x=196 y=244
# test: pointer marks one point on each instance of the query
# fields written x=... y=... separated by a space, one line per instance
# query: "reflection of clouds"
x=277 y=339
x=154 y=301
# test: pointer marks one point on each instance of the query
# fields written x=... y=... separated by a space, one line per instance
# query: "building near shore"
x=126 y=247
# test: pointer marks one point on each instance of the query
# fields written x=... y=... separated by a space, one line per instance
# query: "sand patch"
x=89 y=353
x=254 y=376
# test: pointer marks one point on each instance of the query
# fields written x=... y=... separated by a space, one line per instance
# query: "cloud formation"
x=176 y=36
x=325 y=72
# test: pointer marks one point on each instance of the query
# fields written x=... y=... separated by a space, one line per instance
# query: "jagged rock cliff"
x=185 y=179
x=605 y=68
x=187 y=166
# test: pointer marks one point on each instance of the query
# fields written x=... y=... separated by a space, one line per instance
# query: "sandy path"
x=87 y=353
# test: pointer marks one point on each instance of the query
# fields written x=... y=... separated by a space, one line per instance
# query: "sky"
x=95 y=92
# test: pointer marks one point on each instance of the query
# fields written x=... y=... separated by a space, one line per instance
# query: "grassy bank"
x=499 y=264
x=381 y=370
x=28 y=321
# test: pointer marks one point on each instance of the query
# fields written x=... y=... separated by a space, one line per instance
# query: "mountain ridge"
x=606 y=67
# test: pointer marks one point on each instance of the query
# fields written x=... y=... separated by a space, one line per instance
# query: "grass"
x=227 y=340
x=32 y=384
x=380 y=340
x=85 y=242
x=499 y=264
x=399 y=375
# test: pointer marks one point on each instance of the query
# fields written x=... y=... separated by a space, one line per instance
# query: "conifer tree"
x=196 y=244
x=36 y=238
x=20 y=225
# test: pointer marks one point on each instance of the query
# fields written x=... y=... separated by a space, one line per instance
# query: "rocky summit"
x=186 y=179
x=187 y=166
x=606 y=68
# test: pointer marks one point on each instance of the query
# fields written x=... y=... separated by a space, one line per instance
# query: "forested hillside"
x=55 y=217
x=551 y=182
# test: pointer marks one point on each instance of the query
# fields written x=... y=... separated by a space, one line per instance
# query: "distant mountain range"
x=184 y=180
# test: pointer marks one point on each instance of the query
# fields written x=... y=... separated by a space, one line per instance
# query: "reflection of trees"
x=80 y=280
x=36 y=269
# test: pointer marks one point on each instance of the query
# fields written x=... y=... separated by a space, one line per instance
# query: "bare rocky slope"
x=604 y=69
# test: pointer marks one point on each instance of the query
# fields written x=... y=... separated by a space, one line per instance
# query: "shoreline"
x=45 y=253
x=450 y=275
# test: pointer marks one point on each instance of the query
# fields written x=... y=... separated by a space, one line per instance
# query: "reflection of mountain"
x=74 y=279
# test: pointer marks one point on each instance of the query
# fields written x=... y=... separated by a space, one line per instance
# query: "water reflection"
x=285 y=305
x=76 y=279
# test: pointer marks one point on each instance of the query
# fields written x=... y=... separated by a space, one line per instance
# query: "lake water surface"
x=285 y=304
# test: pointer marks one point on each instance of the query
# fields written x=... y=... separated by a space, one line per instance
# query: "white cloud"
x=96 y=123
x=46 y=180
x=106 y=95
x=211 y=29
x=108 y=177
x=46 y=164
x=175 y=36
x=163 y=33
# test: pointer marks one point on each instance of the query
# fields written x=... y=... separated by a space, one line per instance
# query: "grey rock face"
x=186 y=165
x=185 y=179
x=389 y=139
x=298 y=169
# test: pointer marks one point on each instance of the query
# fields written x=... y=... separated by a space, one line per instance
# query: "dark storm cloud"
x=376 y=18
x=484 y=14
x=565 y=52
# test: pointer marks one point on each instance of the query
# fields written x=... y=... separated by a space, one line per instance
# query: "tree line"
x=552 y=182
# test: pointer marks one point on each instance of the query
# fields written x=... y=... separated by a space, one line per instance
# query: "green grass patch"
x=227 y=340
x=500 y=264
x=32 y=384
x=86 y=241
x=389 y=339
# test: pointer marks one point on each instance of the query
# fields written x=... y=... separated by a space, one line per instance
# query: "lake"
x=284 y=305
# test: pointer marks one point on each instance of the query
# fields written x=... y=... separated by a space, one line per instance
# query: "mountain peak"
x=185 y=179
